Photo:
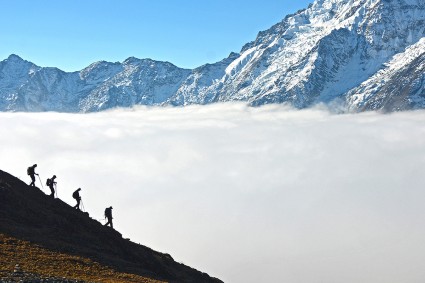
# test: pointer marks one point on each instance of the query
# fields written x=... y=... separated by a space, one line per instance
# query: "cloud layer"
x=244 y=194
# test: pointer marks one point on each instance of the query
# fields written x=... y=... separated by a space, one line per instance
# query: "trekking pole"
x=82 y=206
x=40 y=181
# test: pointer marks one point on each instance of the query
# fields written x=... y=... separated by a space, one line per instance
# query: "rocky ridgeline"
x=331 y=53
x=49 y=237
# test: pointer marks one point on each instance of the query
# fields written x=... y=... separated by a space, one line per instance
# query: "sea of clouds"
x=267 y=194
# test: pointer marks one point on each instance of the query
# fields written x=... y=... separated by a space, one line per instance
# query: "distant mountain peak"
x=132 y=61
x=316 y=55
x=14 y=57
x=15 y=60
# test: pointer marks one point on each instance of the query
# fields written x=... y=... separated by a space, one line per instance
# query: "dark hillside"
x=26 y=213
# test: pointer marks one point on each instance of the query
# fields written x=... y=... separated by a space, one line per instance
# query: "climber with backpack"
x=108 y=215
x=77 y=197
x=31 y=173
x=51 y=183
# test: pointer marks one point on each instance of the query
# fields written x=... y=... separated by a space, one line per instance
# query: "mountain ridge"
x=318 y=55
x=26 y=213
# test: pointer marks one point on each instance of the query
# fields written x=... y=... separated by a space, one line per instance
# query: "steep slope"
x=49 y=89
x=37 y=264
x=26 y=213
x=399 y=86
x=318 y=55
x=199 y=87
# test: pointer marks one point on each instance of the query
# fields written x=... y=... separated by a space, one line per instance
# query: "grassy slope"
x=35 y=259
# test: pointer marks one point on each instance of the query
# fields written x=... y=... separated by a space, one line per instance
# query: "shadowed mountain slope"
x=27 y=214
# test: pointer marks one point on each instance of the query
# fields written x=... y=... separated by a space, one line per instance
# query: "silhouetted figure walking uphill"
x=108 y=215
x=51 y=183
x=77 y=197
x=28 y=214
x=31 y=173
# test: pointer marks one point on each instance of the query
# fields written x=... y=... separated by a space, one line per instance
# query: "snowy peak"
x=319 y=53
x=13 y=58
x=14 y=73
x=322 y=54
x=135 y=81
x=15 y=66
x=100 y=71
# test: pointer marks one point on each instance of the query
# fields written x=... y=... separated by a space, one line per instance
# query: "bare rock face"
x=327 y=53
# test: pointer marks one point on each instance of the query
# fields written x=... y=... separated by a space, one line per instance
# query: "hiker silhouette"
x=51 y=183
x=31 y=173
x=77 y=197
x=108 y=215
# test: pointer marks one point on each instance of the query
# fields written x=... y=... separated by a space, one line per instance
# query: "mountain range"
x=351 y=55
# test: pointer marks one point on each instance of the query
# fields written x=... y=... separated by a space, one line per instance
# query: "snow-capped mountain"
x=400 y=85
x=100 y=86
x=319 y=54
x=352 y=54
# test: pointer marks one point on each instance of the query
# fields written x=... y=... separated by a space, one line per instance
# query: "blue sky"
x=71 y=35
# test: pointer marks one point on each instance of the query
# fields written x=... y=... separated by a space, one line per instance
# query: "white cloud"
x=245 y=194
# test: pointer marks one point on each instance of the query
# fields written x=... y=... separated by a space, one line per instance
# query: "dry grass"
x=35 y=259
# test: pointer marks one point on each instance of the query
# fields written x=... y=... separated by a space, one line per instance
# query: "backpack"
x=48 y=182
x=75 y=195
x=29 y=171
